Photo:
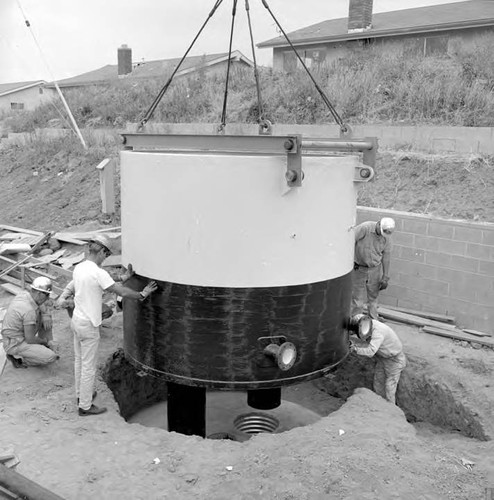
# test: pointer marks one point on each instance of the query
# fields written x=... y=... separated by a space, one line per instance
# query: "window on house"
x=289 y=61
x=314 y=57
x=16 y=105
x=413 y=46
x=435 y=45
x=40 y=90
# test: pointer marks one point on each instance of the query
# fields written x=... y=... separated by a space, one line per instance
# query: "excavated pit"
x=142 y=399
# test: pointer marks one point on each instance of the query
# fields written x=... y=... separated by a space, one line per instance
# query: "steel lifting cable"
x=225 y=96
x=339 y=121
x=256 y=72
x=162 y=92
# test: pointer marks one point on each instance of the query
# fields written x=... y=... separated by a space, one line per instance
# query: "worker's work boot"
x=94 y=410
x=16 y=363
x=95 y=393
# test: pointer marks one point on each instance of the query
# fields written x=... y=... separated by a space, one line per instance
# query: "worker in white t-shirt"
x=88 y=284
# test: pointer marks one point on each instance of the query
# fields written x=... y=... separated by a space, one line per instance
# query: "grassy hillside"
x=52 y=184
x=367 y=87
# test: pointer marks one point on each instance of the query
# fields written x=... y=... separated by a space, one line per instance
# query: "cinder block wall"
x=440 y=265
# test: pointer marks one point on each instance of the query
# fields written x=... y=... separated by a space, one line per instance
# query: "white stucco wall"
x=31 y=98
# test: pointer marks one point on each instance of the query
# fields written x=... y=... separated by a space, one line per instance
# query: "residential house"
x=435 y=29
x=163 y=68
x=24 y=95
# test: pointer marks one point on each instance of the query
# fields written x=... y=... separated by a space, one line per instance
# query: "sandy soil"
x=379 y=455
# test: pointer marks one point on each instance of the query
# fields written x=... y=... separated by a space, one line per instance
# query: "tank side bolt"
x=365 y=173
x=291 y=175
x=288 y=145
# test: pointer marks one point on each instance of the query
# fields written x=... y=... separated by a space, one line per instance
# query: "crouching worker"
x=27 y=330
x=382 y=343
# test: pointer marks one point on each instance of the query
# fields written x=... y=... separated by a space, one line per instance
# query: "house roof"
x=152 y=69
x=450 y=16
x=10 y=88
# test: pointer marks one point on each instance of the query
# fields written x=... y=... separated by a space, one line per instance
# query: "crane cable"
x=260 y=106
x=72 y=119
x=152 y=108
x=225 y=95
x=343 y=127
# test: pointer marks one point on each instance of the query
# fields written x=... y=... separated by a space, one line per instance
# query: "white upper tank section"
x=230 y=220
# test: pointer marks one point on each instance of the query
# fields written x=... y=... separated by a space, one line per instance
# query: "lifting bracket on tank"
x=290 y=145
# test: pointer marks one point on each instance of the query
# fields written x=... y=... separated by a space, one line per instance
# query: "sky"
x=75 y=36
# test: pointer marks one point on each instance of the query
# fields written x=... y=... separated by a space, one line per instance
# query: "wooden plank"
x=41 y=241
x=22 y=487
x=13 y=289
x=457 y=336
x=67 y=238
x=20 y=230
x=476 y=332
x=15 y=236
x=412 y=320
x=109 y=229
x=423 y=314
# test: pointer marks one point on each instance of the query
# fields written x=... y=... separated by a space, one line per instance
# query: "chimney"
x=124 y=60
x=359 y=16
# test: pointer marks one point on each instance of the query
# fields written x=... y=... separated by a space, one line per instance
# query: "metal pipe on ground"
x=23 y=487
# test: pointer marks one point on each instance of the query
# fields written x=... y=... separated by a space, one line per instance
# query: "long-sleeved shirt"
x=384 y=342
x=370 y=247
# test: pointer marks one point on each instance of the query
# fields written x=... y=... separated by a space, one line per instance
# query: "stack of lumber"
x=435 y=324
x=19 y=265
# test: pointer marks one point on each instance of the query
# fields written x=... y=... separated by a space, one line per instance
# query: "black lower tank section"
x=214 y=337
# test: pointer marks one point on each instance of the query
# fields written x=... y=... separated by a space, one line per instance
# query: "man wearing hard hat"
x=26 y=331
x=381 y=342
x=88 y=284
x=371 y=264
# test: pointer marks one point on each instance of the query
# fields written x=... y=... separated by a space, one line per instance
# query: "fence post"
x=107 y=185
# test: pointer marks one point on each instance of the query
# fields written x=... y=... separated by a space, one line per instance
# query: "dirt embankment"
x=56 y=186
x=365 y=449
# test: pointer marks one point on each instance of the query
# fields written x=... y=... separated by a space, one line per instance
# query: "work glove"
x=149 y=289
x=383 y=284
x=46 y=321
x=127 y=274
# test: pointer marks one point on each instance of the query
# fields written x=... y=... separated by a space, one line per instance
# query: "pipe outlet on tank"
x=285 y=354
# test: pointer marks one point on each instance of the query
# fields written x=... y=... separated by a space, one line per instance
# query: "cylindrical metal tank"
x=242 y=261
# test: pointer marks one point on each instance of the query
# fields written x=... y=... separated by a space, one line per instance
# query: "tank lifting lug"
x=294 y=175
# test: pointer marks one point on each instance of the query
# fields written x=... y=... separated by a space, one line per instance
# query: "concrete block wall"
x=442 y=266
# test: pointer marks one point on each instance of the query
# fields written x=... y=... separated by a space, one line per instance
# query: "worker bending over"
x=88 y=284
x=382 y=343
x=371 y=264
x=27 y=330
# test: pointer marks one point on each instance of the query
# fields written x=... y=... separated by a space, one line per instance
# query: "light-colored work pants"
x=33 y=354
x=365 y=289
x=387 y=375
x=86 y=342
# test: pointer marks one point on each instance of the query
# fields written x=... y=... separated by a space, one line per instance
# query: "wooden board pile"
x=26 y=254
x=436 y=324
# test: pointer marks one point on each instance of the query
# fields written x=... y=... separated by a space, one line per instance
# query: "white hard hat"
x=102 y=240
x=42 y=284
x=361 y=324
x=387 y=224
